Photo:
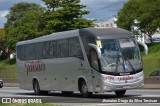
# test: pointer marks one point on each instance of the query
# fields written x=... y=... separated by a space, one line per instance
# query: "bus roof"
x=97 y=33
x=106 y=33
x=53 y=36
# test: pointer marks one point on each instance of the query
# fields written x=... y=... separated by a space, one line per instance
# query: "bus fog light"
x=105 y=87
x=106 y=80
x=141 y=77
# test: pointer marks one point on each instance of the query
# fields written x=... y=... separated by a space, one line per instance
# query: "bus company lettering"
x=125 y=78
x=34 y=66
x=110 y=78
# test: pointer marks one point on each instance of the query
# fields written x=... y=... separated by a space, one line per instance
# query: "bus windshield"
x=120 y=56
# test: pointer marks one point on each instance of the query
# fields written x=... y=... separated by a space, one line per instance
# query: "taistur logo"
x=125 y=78
x=34 y=66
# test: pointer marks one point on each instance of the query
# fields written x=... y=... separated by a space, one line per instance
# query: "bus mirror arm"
x=145 y=47
x=98 y=50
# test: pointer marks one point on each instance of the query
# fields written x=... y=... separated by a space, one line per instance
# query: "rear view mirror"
x=98 y=50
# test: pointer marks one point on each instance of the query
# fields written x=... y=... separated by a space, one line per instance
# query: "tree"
x=63 y=15
x=144 y=12
x=30 y=20
x=24 y=22
x=3 y=52
x=2 y=39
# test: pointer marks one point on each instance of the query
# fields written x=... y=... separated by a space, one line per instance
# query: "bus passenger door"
x=95 y=67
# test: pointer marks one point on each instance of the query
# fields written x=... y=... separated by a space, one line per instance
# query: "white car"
x=1 y=83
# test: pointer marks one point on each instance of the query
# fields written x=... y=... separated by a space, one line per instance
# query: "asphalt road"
x=144 y=97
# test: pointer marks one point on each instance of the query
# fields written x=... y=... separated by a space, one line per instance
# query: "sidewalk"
x=151 y=86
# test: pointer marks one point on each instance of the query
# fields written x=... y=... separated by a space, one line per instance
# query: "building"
x=156 y=36
x=106 y=23
x=141 y=37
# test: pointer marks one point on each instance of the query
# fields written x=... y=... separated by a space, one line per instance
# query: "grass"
x=151 y=62
x=32 y=104
x=8 y=68
x=150 y=65
x=153 y=53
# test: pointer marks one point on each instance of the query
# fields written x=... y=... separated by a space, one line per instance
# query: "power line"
x=105 y=7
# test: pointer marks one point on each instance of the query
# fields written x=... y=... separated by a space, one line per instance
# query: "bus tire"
x=84 y=90
x=37 y=90
x=36 y=87
x=120 y=93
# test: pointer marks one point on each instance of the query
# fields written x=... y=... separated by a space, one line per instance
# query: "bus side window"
x=94 y=60
x=75 y=48
x=63 y=48
x=53 y=49
x=30 y=52
x=86 y=40
x=21 y=52
x=38 y=51
x=46 y=52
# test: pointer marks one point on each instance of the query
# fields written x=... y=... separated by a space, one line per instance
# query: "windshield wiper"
x=132 y=68
x=118 y=60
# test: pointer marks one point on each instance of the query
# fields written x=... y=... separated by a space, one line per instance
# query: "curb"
x=10 y=84
x=151 y=86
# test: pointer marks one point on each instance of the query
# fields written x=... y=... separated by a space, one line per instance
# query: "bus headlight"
x=106 y=80
x=105 y=87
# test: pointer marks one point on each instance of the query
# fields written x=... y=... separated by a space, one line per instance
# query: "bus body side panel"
x=60 y=73
x=25 y=79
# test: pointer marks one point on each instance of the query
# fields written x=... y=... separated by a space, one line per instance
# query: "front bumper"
x=117 y=87
x=117 y=83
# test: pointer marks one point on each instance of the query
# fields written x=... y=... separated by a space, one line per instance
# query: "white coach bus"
x=89 y=60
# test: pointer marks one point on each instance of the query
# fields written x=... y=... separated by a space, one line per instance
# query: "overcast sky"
x=99 y=9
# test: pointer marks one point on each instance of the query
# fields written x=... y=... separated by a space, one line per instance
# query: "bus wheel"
x=84 y=90
x=67 y=93
x=36 y=87
x=37 y=90
x=120 y=93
